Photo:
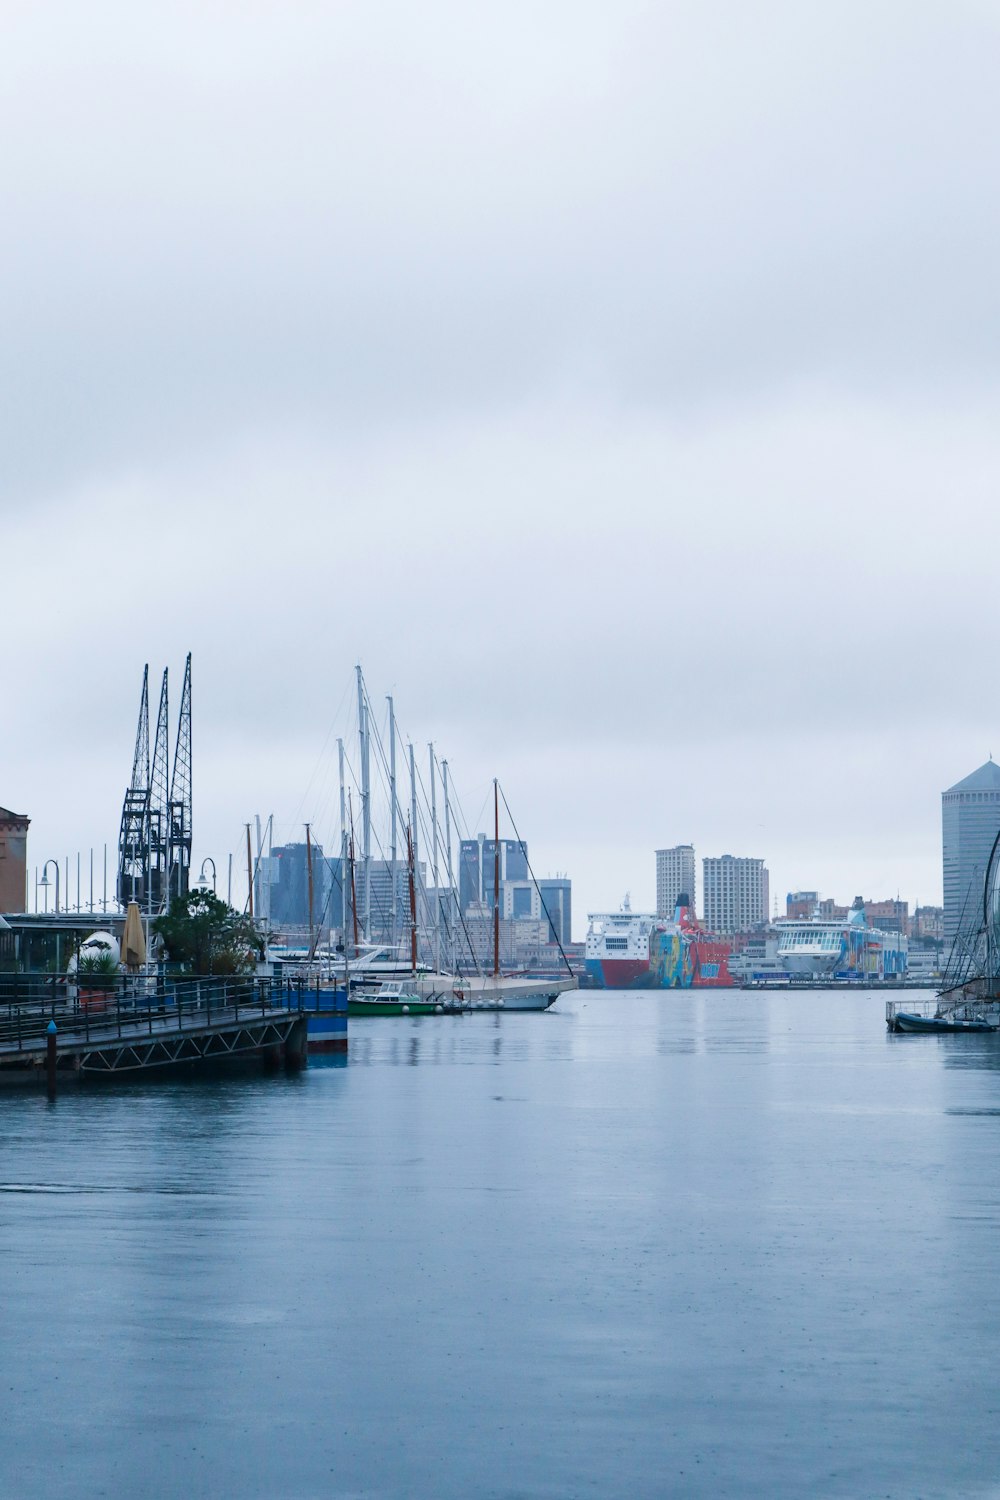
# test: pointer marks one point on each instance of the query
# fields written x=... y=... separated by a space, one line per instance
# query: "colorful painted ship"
x=629 y=950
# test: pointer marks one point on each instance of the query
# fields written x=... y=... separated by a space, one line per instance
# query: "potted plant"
x=97 y=976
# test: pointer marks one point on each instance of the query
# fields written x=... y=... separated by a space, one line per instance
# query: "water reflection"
x=639 y=1245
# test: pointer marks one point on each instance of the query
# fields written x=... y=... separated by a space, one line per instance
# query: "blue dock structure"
x=134 y=1026
x=325 y=1010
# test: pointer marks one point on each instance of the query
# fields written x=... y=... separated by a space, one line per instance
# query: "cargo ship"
x=629 y=950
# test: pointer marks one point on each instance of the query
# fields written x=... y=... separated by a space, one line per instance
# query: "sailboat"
x=399 y=998
x=498 y=991
x=367 y=964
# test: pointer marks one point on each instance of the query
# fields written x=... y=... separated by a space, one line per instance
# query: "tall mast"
x=343 y=849
x=496 y=881
x=434 y=863
x=258 y=872
x=412 y=836
x=270 y=867
x=249 y=875
x=366 y=815
x=309 y=871
x=354 y=894
x=447 y=855
x=392 y=802
x=413 y=896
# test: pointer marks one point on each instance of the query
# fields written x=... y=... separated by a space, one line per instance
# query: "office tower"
x=970 y=820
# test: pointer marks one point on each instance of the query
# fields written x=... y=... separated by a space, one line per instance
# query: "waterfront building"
x=674 y=877
x=13 y=860
x=736 y=893
x=889 y=916
x=801 y=905
x=830 y=911
x=970 y=821
x=927 y=924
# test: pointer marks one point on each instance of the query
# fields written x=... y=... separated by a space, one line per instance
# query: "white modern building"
x=736 y=893
x=674 y=877
x=970 y=821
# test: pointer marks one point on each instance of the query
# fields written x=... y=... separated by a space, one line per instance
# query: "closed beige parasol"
x=134 y=939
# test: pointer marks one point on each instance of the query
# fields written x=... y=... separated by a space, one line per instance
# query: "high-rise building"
x=282 y=893
x=557 y=898
x=476 y=865
x=674 y=877
x=970 y=821
x=735 y=893
x=283 y=883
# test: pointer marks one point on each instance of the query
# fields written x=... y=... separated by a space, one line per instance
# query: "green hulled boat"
x=390 y=1000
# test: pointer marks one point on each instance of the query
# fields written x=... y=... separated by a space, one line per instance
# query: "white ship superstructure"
x=807 y=950
x=620 y=936
x=819 y=950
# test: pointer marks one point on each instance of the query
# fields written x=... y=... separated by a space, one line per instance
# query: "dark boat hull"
x=905 y=1021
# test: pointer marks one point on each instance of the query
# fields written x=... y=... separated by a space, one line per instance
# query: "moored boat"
x=390 y=1000
x=636 y=950
x=909 y=1021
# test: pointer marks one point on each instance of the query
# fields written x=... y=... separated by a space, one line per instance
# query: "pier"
x=147 y=1025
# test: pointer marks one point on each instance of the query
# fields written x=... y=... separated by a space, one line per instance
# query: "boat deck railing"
x=956 y=1006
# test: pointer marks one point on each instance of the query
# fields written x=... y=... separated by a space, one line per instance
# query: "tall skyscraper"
x=970 y=820
x=476 y=864
x=557 y=894
x=736 y=893
x=674 y=877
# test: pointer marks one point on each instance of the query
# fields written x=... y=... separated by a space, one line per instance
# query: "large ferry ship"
x=629 y=950
x=821 y=951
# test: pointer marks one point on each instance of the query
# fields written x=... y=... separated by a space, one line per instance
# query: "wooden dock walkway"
x=148 y=1025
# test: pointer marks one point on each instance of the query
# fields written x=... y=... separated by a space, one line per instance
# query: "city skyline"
x=636 y=890
x=615 y=315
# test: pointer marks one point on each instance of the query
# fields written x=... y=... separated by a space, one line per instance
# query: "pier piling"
x=50 y=1059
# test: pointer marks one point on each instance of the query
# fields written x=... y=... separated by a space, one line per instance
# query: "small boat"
x=907 y=1021
x=390 y=1000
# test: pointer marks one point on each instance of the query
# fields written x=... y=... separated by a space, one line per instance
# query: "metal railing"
x=954 y=1007
x=91 y=1008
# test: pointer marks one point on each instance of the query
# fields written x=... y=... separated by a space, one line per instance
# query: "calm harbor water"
x=642 y=1245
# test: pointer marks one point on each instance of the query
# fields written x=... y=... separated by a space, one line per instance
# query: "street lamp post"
x=45 y=882
x=208 y=860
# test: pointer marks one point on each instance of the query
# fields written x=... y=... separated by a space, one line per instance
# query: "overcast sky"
x=617 y=382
